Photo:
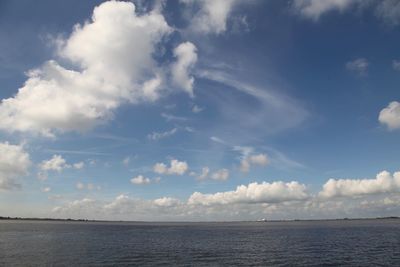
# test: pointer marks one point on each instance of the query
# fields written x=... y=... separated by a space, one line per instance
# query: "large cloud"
x=383 y=183
x=14 y=162
x=253 y=193
x=112 y=63
x=391 y=115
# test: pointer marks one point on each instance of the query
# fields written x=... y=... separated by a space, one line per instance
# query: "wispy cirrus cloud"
x=388 y=11
x=359 y=66
x=314 y=9
x=271 y=113
x=160 y=135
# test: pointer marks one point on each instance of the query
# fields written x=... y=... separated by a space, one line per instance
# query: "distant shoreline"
x=3 y=218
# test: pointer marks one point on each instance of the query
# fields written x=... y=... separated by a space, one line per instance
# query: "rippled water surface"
x=328 y=243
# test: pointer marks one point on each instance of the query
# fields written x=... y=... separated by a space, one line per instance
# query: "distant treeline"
x=264 y=220
x=44 y=219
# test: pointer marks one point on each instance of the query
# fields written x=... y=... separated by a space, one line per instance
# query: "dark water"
x=322 y=243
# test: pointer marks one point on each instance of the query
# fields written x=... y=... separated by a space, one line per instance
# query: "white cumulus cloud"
x=211 y=16
x=186 y=54
x=14 y=162
x=383 y=183
x=89 y=186
x=204 y=173
x=274 y=192
x=248 y=161
x=166 y=202
x=276 y=200
x=390 y=115
x=176 y=167
x=140 y=180
x=78 y=165
x=221 y=175
x=56 y=163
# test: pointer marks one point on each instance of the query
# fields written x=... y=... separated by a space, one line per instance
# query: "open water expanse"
x=301 y=243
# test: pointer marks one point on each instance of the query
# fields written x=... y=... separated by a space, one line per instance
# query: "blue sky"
x=199 y=110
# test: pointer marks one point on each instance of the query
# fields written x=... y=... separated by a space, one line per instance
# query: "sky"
x=204 y=110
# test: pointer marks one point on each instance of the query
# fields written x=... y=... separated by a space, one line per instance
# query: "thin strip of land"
x=261 y=221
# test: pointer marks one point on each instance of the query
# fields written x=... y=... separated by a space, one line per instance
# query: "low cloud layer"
x=279 y=200
x=245 y=199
